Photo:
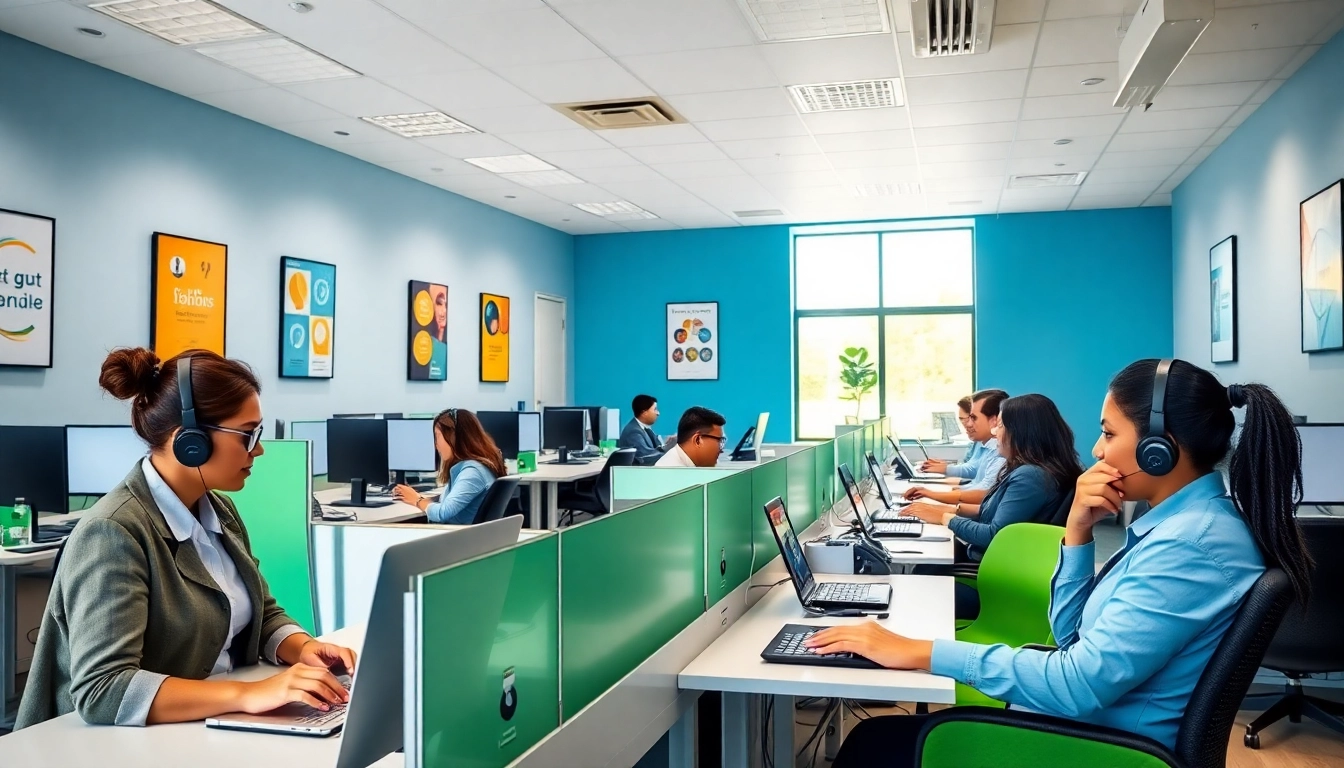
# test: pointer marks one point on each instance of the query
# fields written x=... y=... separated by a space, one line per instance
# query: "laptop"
x=901 y=530
x=824 y=596
x=905 y=468
x=891 y=512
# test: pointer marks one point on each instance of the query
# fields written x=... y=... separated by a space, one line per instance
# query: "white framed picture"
x=693 y=341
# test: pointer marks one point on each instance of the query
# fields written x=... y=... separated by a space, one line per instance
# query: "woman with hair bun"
x=157 y=588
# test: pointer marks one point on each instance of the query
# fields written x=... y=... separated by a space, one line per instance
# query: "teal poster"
x=307 y=318
x=427 y=334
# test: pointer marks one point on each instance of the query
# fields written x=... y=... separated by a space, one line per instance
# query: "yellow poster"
x=494 y=337
x=189 y=281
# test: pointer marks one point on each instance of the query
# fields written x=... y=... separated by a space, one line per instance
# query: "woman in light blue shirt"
x=1133 y=640
x=469 y=464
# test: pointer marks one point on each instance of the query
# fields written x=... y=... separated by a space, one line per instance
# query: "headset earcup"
x=191 y=448
x=1157 y=456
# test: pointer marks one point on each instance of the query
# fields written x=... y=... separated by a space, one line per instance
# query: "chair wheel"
x=1252 y=740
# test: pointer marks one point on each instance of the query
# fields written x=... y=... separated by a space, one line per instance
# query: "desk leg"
x=534 y=502
x=552 y=511
x=681 y=749
x=781 y=724
x=736 y=745
x=9 y=662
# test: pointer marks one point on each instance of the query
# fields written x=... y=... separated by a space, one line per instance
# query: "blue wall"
x=1290 y=148
x=114 y=159
x=1064 y=300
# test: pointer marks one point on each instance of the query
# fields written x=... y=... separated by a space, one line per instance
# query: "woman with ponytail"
x=1134 y=638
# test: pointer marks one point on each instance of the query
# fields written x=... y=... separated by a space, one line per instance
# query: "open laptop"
x=824 y=596
x=891 y=505
x=906 y=468
x=901 y=530
x=372 y=720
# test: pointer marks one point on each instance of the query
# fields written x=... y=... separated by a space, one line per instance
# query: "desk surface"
x=562 y=473
x=37 y=558
x=69 y=742
x=396 y=512
x=921 y=607
x=908 y=551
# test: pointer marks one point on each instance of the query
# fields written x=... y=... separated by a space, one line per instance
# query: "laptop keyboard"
x=841 y=592
x=314 y=716
x=789 y=647
x=900 y=529
x=894 y=517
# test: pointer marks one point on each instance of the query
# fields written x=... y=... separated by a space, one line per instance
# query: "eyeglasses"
x=253 y=437
x=719 y=438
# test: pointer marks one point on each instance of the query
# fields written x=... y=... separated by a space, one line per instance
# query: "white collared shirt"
x=675 y=457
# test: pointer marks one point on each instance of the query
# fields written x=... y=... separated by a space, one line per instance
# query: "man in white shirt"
x=699 y=440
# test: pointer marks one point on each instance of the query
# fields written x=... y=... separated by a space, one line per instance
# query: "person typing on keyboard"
x=470 y=462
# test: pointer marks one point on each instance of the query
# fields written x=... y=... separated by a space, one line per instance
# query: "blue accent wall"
x=1064 y=300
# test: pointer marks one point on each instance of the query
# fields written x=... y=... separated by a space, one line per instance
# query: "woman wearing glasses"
x=157 y=588
x=469 y=464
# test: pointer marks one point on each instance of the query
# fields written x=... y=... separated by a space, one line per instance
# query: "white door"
x=550 y=351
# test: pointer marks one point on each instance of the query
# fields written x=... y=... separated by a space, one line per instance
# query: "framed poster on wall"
x=494 y=316
x=1223 y=301
x=427 y=332
x=307 y=318
x=693 y=341
x=188 y=295
x=1322 y=251
x=27 y=270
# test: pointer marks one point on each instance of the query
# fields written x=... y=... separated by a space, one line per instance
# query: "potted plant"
x=859 y=377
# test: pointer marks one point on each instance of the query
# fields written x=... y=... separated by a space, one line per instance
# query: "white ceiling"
x=969 y=123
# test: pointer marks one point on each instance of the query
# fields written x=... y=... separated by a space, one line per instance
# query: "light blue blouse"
x=467 y=483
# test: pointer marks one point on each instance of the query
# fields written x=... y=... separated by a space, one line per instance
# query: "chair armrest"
x=981 y=737
x=964 y=571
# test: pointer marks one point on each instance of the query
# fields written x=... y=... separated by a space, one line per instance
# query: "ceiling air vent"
x=636 y=113
x=758 y=214
x=951 y=27
x=1047 y=180
x=855 y=94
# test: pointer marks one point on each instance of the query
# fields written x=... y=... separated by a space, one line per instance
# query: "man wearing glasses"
x=977 y=474
x=699 y=440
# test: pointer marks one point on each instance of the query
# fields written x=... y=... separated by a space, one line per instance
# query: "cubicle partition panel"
x=767 y=481
x=729 y=513
x=801 y=482
x=629 y=582
x=484 y=683
x=346 y=561
x=646 y=483
x=824 y=458
x=275 y=507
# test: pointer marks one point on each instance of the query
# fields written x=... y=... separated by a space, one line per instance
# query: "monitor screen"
x=33 y=468
x=1322 y=481
x=875 y=471
x=529 y=431
x=564 y=427
x=98 y=458
x=357 y=448
x=503 y=428
x=761 y=422
x=314 y=432
x=410 y=445
x=612 y=429
x=792 y=551
x=854 y=494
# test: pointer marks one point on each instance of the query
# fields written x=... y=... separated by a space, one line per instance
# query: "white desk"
x=547 y=480
x=69 y=742
x=396 y=512
x=902 y=551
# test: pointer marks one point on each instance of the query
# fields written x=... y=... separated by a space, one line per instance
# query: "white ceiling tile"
x=677 y=153
x=963 y=170
x=1011 y=48
x=714 y=69
x=1018 y=11
x=1081 y=9
x=966 y=184
x=1055 y=198
x=268 y=106
x=181 y=71
x=793 y=197
x=1176 y=178
x=515 y=38
x=872 y=158
x=965 y=134
x=1155 y=200
x=1080 y=41
x=964 y=153
x=1140 y=174
x=1031 y=205
x=968 y=113
x=55 y=25
x=588 y=158
x=733 y=105
x=1201 y=154
x=974 y=203
x=563 y=82
x=738 y=193
x=649 y=225
x=397 y=149
x=769 y=148
x=1137 y=142
x=974 y=86
x=1202 y=96
x=699 y=217
x=613 y=175
x=629 y=27
x=775 y=182
x=760 y=166
x=470 y=145
x=1080 y=145
x=423 y=168
x=698 y=170
x=1068 y=80
x=1302 y=56
x=1035 y=165
x=752 y=128
x=653 y=135
x=1071 y=128
x=1239 y=116
x=1220 y=135
x=1098 y=189
x=654 y=194
x=1081 y=203
x=450 y=91
x=596 y=226
x=520 y=119
x=1078 y=105
x=1176 y=119
x=324 y=131
x=579 y=193
x=556 y=141
x=833 y=59
x=1265 y=91
x=871 y=175
x=854 y=142
x=1167 y=157
x=858 y=120
x=358 y=97
x=1267 y=26
x=1232 y=67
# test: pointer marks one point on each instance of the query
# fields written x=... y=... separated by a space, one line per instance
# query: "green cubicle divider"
x=484 y=625
x=729 y=513
x=629 y=583
x=630 y=483
x=824 y=458
x=767 y=481
x=275 y=506
x=801 y=481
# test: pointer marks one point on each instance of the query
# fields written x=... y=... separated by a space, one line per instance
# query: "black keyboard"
x=788 y=648
x=53 y=532
x=911 y=530
x=857 y=594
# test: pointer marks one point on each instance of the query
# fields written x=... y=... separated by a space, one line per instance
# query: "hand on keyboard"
x=315 y=686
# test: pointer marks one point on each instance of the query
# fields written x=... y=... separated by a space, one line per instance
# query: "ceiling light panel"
x=511 y=164
x=543 y=178
x=840 y=97
x=775 y=20
x=181 y=22
x=1038 y=181
x=618 y=208
x=418 y=125
x=276 y=60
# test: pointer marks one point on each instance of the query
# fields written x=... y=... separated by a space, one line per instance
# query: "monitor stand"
x=359 y=496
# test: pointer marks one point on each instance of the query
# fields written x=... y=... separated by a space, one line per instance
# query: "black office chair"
x=595 y=499
x=1042 y=741
x=1311 y=640
x=1061 y=515
x=496 y=500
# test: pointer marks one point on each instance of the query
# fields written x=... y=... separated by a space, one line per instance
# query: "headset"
x=1156 y=453
x=192 y=446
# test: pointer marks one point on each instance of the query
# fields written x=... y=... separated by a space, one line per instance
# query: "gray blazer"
x=636 y=435
x=128 y=596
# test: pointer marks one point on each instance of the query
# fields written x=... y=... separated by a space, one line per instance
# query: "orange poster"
x=187 y=295
x=494 y=337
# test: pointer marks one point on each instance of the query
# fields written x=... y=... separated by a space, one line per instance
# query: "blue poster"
x=308 y=318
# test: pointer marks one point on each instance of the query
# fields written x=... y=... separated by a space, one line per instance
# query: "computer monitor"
x=611 y=430
x=393 y=416
x=33 y=468
x=748 y=448
x=529 y=431
x=314 y=432
x=564 y=427
x=355 y=416
x=1322 y=445
x=410 y=447
x=98 y=458
x=357 y=454
x=373 y=722
x=504 y=427
x=279 y=429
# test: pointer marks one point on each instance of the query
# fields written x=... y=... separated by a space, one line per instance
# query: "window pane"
x=928 y=370
x=927 y=269
x=836 y=272
x=821 y=342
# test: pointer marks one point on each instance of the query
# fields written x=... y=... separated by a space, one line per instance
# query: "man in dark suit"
x=639 y=434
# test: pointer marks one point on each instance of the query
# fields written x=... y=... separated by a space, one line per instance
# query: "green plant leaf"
x=852 y=351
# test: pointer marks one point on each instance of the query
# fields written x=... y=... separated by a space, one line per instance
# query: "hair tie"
x=1236 y=396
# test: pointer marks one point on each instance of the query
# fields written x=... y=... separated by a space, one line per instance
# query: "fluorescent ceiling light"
x=774 y=20
x=511 y=163
x=617 y=208
x=420 y=124
x=839 y=97
x=181 y=22
x=543 y=178
x=885 y=190
x=276 y=60
x=1036 y=181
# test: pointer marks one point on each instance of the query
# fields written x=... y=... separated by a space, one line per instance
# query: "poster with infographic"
x=494 y=337
x=693 y=341
x=1322 y=251
x=1223 y=301
x=27 y=269
x=188 y=295
x=427 y=332
x=307 y=318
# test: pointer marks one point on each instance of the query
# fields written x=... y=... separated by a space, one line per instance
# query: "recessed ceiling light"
x=301 y=7
x=854 y=94
x=617 y=208
x=341 y=133
x=1093 y=81
x=759 y=213
x=773 y=20
x=1059 y=165
x=1062 y=142
x=511 y=163
x=91 y=32
x=510 y=197
x=543 y=178
x=420 y=124
x=181 y=22
x=1036 y=181
x=277 y=60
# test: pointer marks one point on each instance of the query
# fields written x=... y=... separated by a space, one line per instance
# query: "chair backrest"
x=496 y=499
x=1061 y=515
x=1014 y=584
x=1202 y=740
x=622 y=458
x=1313 y=640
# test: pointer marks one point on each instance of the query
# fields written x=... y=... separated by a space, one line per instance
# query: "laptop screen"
x=855 y=496
x=875 y=470
x=782 y=526
x=899 y=459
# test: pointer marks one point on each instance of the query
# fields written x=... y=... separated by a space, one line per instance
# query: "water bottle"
x=18 y=528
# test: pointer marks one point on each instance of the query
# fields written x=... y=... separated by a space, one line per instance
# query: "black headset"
x=1156 y=453
x=191 y=447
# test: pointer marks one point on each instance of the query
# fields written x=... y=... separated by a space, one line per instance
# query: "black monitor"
x=33 y=468
x=393 y=416
x=279 y=429
x=596 y=416
x=502 y=427
x=563 y=427
x=355 y=416
x=746 y=447
x=357 y=454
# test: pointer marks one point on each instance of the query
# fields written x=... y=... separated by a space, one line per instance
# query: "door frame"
x=536 y=343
